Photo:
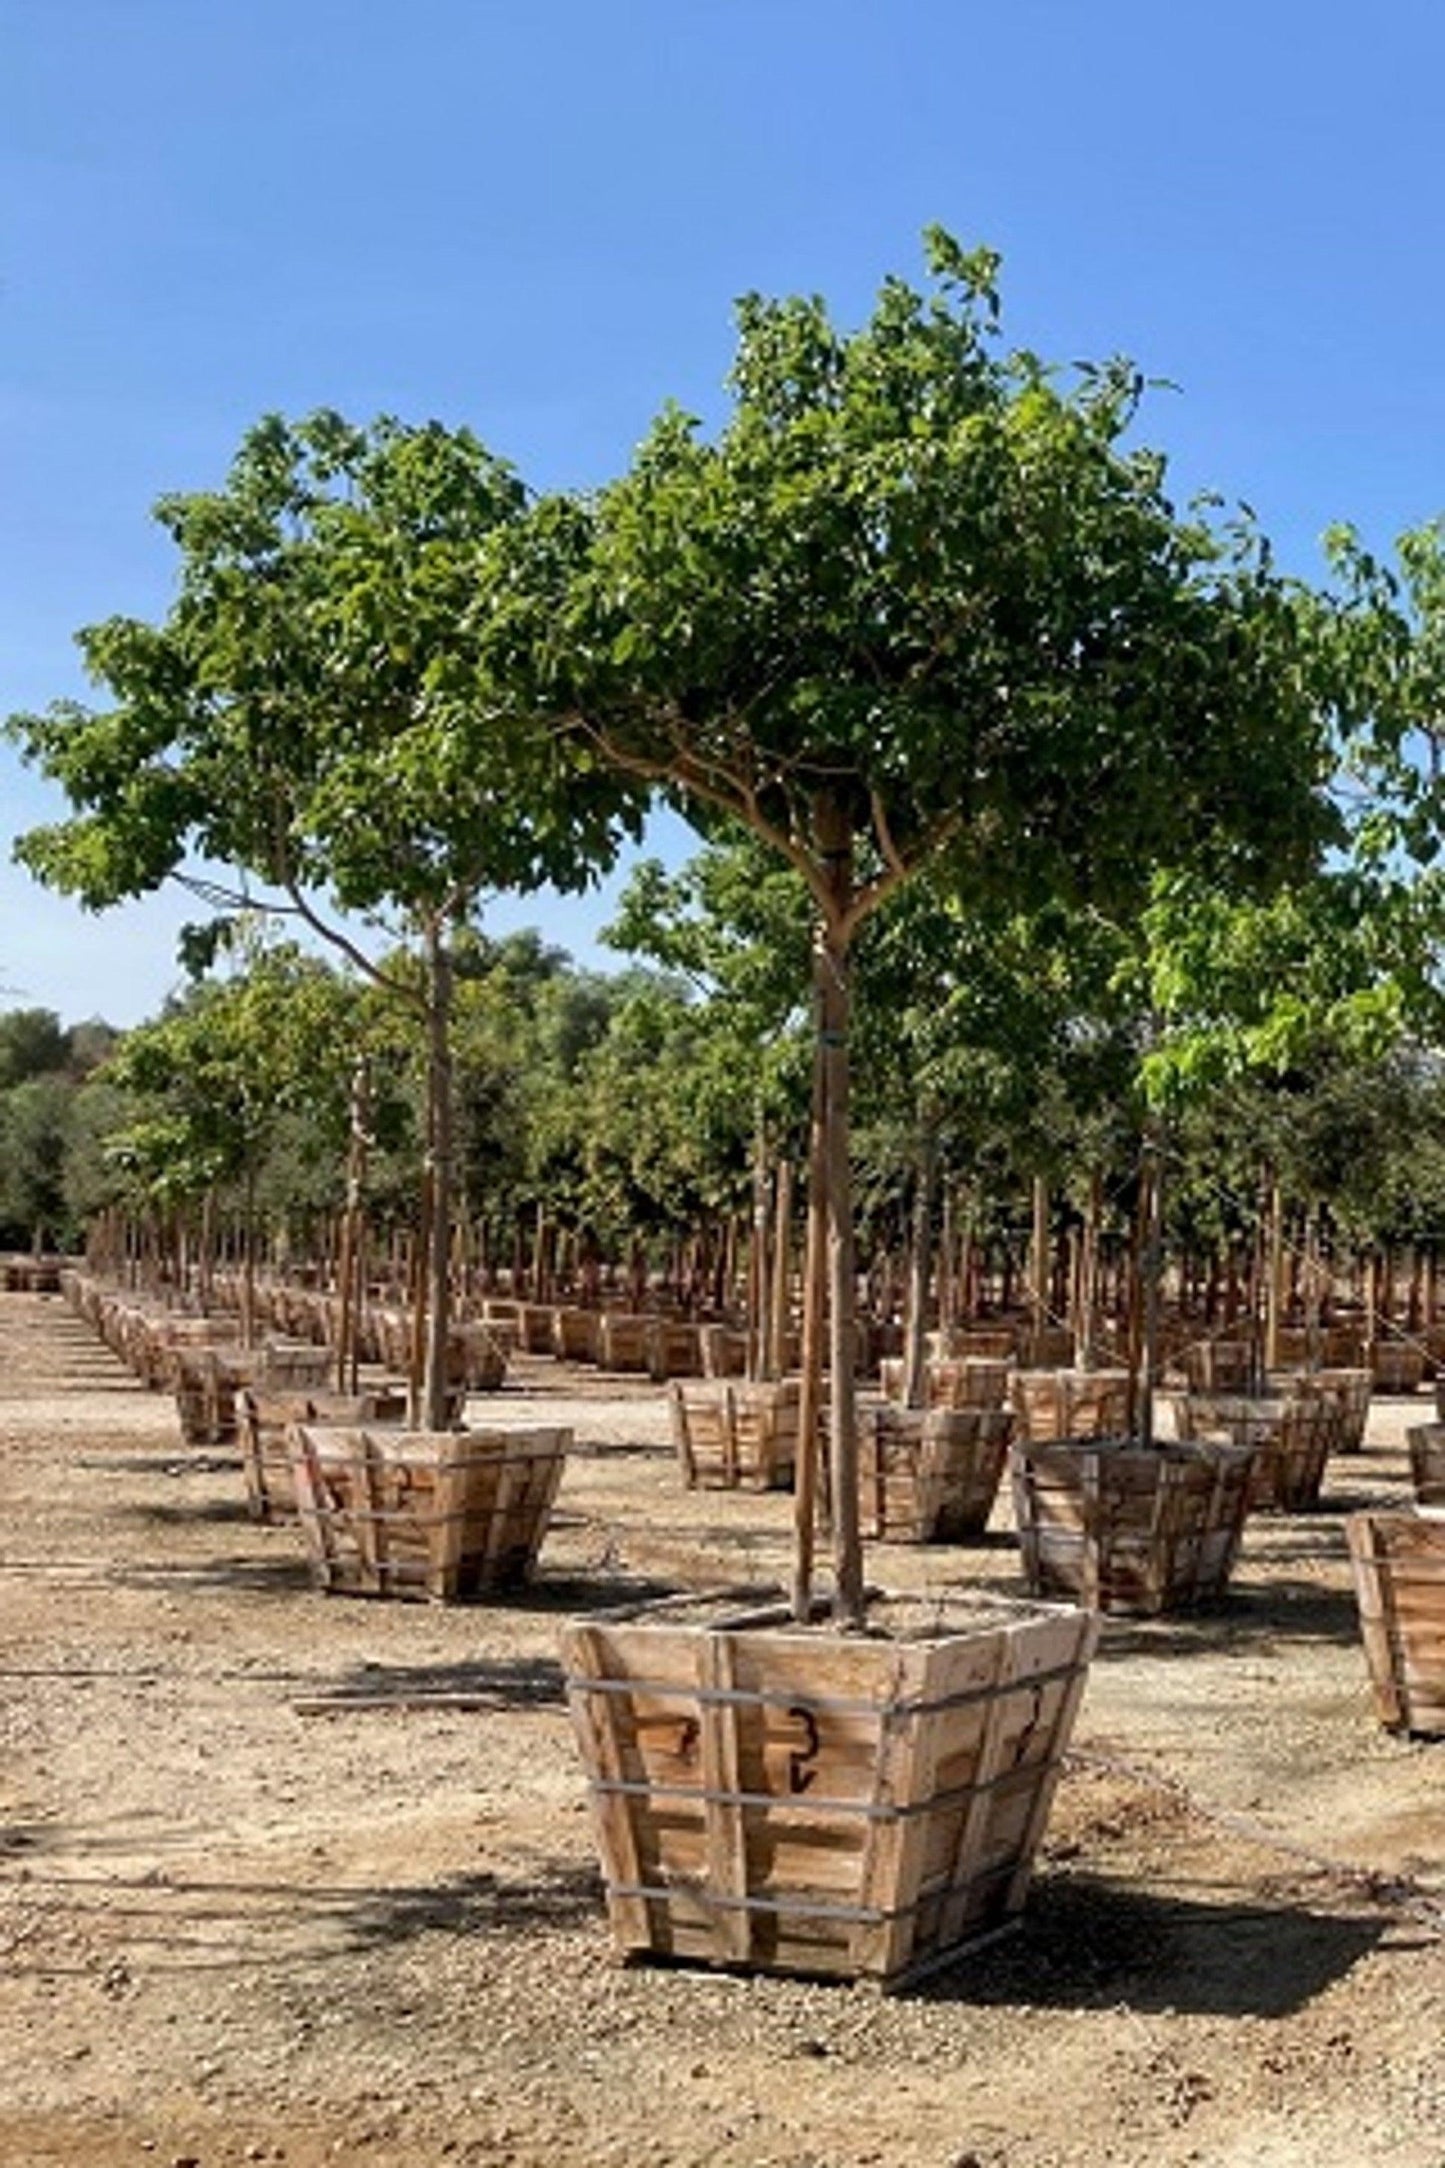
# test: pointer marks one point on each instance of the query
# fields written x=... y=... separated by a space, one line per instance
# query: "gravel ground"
x=302 y=1879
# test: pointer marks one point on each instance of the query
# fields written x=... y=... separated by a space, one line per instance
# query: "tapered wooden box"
x=1398 y=1366
x=1125 y=1527
x=444 y=1514
x=930 y=1475
x=674 y=1349
x=1426 y=1442
x=1070 y=1403
x=624 y=1341
x=574 y=1333
x=787 y=1798
x=1292 y=1435
x=735 y=1436
x=264 y=1418
x=1351 y=1388
x=953 y=1381
x=1398 y=1562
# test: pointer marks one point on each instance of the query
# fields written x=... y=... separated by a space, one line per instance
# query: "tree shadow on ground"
x=166 y=1463
x=226 y=1576
x=1088 y=1942
x=214 y=1510
x=598 y=1588
x=523 y=1682
x=554 y=1894
x=1248 y=1622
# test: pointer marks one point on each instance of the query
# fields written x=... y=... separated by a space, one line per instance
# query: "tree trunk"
x=780 y=1306
x=1039 y=1266
x=832 y=965
x=1151 y=1264
x=439 y=1168
x=920 y=1258
x=348 y=1269
x=805 y=1493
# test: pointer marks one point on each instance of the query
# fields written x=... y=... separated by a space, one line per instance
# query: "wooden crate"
x=537 y=1328
x=624 y=1341
x=1398 y=1562
x=1351 y=1387
x=734 y=1436
x=574 y=1334
x=263 y=1420
x=785 y=1798
x=953 y=1381
x=1218 y=1366
x=1398 y=1365
x=1070 y=1403
x=724 y=1351
x=1125 y=1527
x=930 y=1475
x=1292 y=1435
x=444 y=1514
x=195 y=1382
x=1426 y=1442
x=674 y=1349
x=994 y=1343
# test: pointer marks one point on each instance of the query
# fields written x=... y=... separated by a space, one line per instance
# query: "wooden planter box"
x=1218 y=1366
x=444 y=1514
x=674 y=1349
x=624 y=1341
x=735 y=1436
x=574 y=1334
x=723 y=1351
x=477 y=1356
x=1398 y=1365
x=930 y=1475
x=994 y=1343
x=1292 y=1436
x=1125 y=1527
x=1070 y=1403
x=1351 y=1388
x=1398 y=1561
x=788 y=1799
x=195 y=1382
x=1426 y=1442
x=263 y=1420
x=954 y=1381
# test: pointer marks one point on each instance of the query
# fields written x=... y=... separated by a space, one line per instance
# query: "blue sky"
x=533 y=216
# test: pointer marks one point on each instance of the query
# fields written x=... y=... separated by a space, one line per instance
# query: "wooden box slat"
x=1398 y=1562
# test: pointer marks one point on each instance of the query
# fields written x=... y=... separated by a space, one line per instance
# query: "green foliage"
x=935 y=582
x=293 y=715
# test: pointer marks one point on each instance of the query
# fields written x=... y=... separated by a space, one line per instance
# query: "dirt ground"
x=306 y=1879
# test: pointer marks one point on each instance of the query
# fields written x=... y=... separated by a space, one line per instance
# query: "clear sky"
x=532 y=216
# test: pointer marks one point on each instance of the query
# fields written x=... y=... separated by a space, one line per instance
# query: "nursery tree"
x=920 y=603
x=291 y=719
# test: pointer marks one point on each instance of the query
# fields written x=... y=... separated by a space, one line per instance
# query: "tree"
x=919 y=604
x=293 y=719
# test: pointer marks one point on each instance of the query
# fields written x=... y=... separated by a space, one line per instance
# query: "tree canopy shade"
x=920 y=602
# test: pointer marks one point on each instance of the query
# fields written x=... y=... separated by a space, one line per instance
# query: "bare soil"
x=302 y=1879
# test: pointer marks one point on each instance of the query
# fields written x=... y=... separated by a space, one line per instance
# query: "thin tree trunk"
x=835 y=1011
x=439 y=1166
x=920 y=1258
x=781 y=1291
x=1039 y=1266
x=805 y=1494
